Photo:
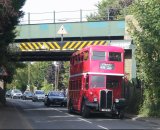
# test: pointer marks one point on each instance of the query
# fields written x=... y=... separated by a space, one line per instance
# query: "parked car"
x=8 y=93
x=38 y=95
x=27 y=95
x=55 y=98
x=16 y=93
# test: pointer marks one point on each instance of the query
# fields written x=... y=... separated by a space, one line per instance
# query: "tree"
x=110 y=10
x=30 y=74
x=146 y=38
x=62 y=76
x=40 y=75
x=9 y=18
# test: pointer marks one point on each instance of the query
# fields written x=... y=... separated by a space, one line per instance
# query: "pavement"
x=10 y=121
x=153 y=120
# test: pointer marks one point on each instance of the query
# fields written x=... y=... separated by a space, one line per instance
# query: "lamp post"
x=28 y=76
x=56 y=64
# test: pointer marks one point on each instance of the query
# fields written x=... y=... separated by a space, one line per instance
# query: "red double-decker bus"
x=95 y=85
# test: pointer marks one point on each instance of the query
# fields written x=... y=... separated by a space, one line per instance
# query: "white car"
x=39 y=95
x=16 y=93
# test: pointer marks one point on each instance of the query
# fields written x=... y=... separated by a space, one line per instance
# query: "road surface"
x=25 y=114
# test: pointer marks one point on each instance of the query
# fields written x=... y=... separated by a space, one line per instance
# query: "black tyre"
x=2 y=97
x=85 y=111
x=121 y=114
x=70 y=107
x=47 y=104
x=65 y=104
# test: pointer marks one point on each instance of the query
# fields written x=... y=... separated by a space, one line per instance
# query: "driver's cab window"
x=112 y=83
x=97 y=81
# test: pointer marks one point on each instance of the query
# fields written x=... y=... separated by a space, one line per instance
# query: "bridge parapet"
x=81 y=30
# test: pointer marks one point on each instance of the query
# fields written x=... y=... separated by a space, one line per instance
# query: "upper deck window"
x=86 y=55
x=114 y=56
x=98 y=55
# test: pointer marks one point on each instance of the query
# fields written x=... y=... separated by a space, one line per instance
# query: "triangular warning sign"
x=62 y=30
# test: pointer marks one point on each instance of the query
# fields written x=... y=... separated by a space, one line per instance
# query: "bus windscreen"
x=97 y=81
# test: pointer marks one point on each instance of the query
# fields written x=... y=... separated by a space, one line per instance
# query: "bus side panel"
x=80 y=68
x=81 y=93
x=75 y=91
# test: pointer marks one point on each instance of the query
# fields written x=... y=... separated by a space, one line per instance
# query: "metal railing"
x=56 y=17
x=63 y=16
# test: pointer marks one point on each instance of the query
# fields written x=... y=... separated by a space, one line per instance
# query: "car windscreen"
x=17 y=91
x=56 y=94
x=39 y=92
x=28 y=93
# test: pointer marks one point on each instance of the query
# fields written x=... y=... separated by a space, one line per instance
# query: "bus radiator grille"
x=109 y=99
x=105 y=99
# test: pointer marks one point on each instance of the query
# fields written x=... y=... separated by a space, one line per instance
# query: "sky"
x=43 y=9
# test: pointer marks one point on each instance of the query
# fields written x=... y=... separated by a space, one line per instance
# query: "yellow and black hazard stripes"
x=66 y=45
x=33 y=46
x=76 y=45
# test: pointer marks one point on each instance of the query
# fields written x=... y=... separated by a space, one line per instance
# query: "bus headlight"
x=116 y=100
x=105 y=66
x=95 y=99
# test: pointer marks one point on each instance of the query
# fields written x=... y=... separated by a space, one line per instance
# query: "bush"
x=151 y=103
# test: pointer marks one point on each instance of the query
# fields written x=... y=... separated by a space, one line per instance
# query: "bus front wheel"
x=85 y=111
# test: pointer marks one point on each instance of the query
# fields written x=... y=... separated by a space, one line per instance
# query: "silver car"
x=16 y=93
x=39 y=95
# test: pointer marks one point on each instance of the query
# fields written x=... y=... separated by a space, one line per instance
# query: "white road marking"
x=39 y=109
x=57 y=121
x=42 y=109
x=85 y=120
x=57 y=109
x=69 y=115
x=58 y=116
x=102 y=127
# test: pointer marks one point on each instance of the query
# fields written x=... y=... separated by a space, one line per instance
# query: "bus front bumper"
x=92 y=105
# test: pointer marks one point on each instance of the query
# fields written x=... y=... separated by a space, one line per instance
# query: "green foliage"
x=9 y=18
x=110 y=10
x=11 y=70
x=64 y=75
x=38 y=75
x=151 y=104
x=47 y=88
x=147 y=40
x=19 y=78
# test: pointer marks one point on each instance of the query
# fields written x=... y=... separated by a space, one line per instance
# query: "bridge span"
x=61 y=51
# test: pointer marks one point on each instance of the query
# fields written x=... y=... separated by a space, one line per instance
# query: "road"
x=21 y=114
